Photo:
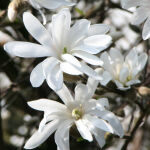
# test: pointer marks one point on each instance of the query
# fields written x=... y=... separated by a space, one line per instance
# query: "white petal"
x=140 y=15
x=132 y=59
x=130 y=3
x=59 y=33
x=116 y=56
x=103 y=101
x=146 y=29
x=28 y=50
x=65 y=95
x=37 y=76
x=46 y=105
x=39 y=137
x=124 y=73
x=91 y=105
x=107 y=62
x=70 y=69
x=107 y=77
x=87 y=48
x=99 y=136
x=42 y=123
x=71 y=59
x=100 y=42
x=142 y=59
x=99 y=123
x=131 y=82
x=78 y=31
x=98 y=29
x=35 y=4
x=36 y=29
x=88 y=58
x=83 y=130
x=48 y=64
x=89 y=71
x=93 y=83
x=53 y=74
x=76 y=70
x=81 y=92
x=55 y=78
x=62 y=135
x=54 y=4
x=112 y=119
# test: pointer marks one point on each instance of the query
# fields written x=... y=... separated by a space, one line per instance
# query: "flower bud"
x=144 y=91
x=14 y=7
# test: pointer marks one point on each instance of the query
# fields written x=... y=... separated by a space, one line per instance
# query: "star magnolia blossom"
x=142 y=14
x=61 y=44
x=89 y=115
x=50 y=4
x=123 y=71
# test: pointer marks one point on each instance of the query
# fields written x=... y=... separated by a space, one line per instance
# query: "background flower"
x=123 y=71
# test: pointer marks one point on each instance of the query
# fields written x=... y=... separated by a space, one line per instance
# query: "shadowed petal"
x=52 y=73
x=54 y=4
x=98 y=29
x=112 y=119
x=79 y=90
x=88 y=58
x=62 y=135
x=83 y=130
x=99 y=123
x=146 y=29
x=37 y=76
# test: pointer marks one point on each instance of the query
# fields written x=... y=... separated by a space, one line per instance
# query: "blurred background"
x=18 y=121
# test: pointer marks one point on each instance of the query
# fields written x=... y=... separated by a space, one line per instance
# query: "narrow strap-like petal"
x=62 y=135
x=37 y=76
x=37 y=30
x=39 y=137
x=27 y=50
x=88 y=58
x=46 y=105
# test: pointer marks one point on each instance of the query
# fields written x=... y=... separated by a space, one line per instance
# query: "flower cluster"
x=77 y=49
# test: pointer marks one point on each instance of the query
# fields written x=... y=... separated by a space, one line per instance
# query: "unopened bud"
x=144 y=91
x=14 y=7
x=12 y=13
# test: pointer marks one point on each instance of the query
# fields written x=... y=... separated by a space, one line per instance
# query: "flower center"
x=77 y=113
x=65 y=50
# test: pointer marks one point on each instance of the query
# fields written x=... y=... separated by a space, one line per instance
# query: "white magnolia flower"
x=89 y=115
x=124 y=71
x=50 y=4
x=61 y=43
x=141 y=15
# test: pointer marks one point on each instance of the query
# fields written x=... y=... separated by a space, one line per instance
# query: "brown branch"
x=1 y=132
x=139 y=121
